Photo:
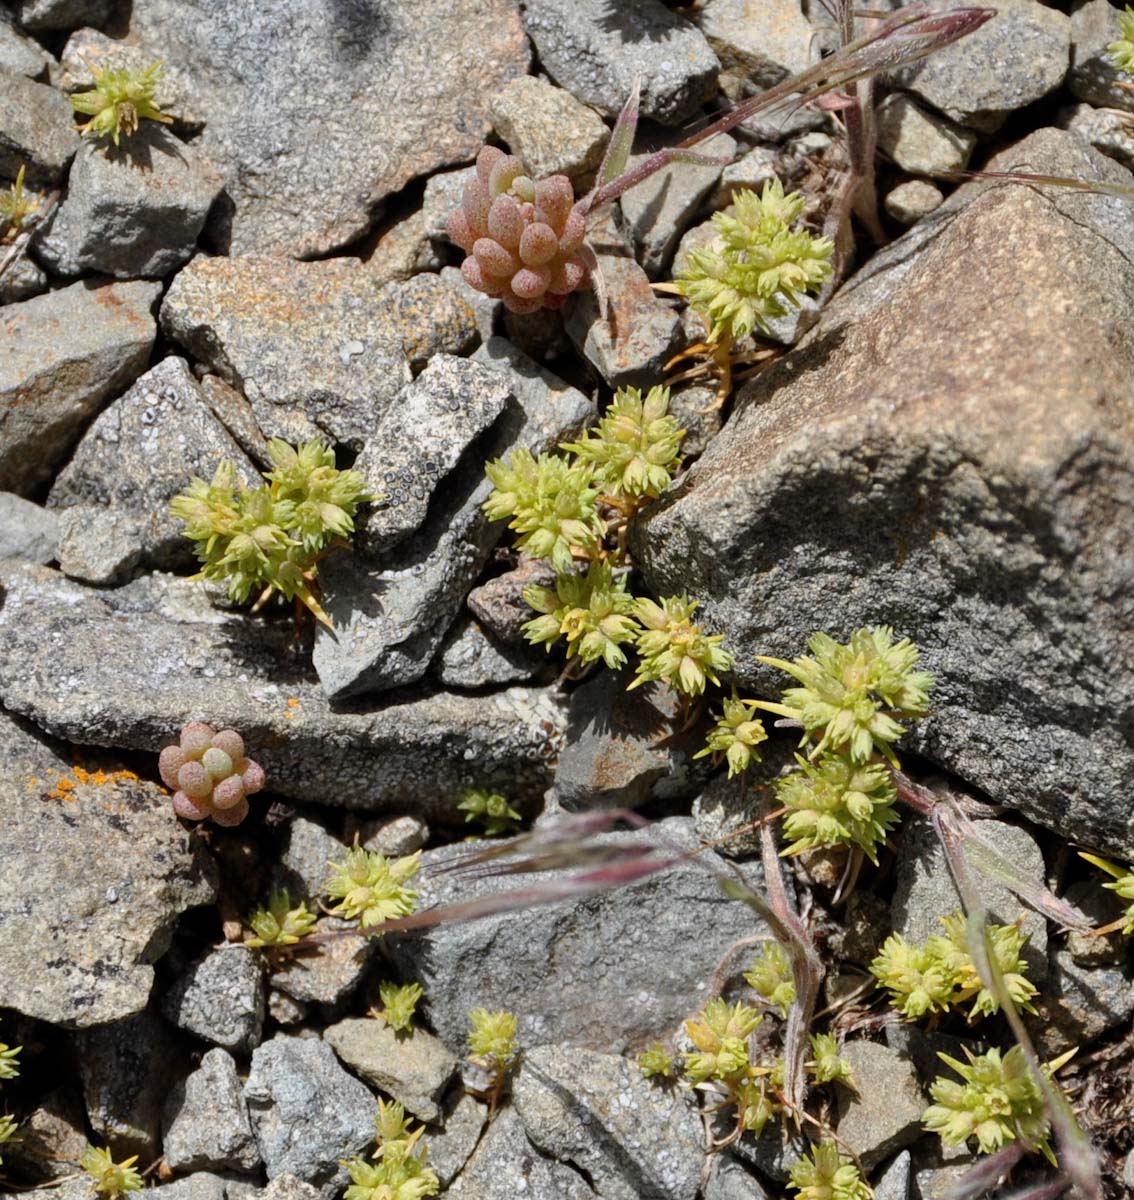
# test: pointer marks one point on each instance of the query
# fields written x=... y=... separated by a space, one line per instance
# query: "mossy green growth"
x=720 y=1034
x=673 y=647
x=656 y=1062
x=399 y=1002
x=492 y=1037
x=371 y=887
x=770 y=977
x=737 y=733
x=1121 y=50
x=281 y=923
x=491 y=809
x=594 y=612
x=828 y=1174
x=109 y=1178
x=118 y=101
x=826 y=1065
x=401 y=1171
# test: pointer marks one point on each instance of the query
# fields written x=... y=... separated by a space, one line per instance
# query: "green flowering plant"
x=110 y=1178
x=674 y=648
x=828 y=1174
x=918 y=981
x=16 y=208
x=399 y=1003
x=280 y=923
x=269 y=538
x=491 y=809
x=550 y=502
x=1121 y=51
x=8 y=1134
x=720 y=1034
x=9 y=1061
x=371 y=887
x=758 y=267
x=493 y=1046
x=594 y=612
x=836 y=802
x=634 y=448
x=656 y=1062
x=736 y=735
x=119 y=99
x=827 y=1066
x=401 y=1171
x=997 y=1101
x=1122 y=883
x=770 y=977
x=852 y=693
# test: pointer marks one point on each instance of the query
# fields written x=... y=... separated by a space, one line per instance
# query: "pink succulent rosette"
x=210 y=775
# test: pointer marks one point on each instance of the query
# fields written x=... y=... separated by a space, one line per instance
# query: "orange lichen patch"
x=292 y=704
x=67 y=783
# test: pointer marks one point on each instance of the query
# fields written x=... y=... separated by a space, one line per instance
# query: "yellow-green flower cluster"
x=371 y=887
x=1122 y=884
x=110 y=1179
x=401 y=1170
x=720 y=1034
x=492 y=1037
x=9 y=1069
x=826 y=1065
x=1121 y=51
x=828 y=1174
x=770 y=977
x=399 y=1003
x=16 y=208
x=757 y=267
x=118 y=101
x=656 y=1062
x=737 y=733
x=673 y=647
x=635 y=446
x=594 y=612
x=280 y=924
x=491 y=809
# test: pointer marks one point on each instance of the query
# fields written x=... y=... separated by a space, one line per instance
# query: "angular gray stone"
x=499 y=602
x=596 y=51
x=43 y=15
x=127 y=1068
x=306 y=851
x=908 y=482
x=894 y=1182
x=389 y=618
x=141 y=451
x=1013 y=60
x=550 y=131
x=327 y=976
x=1094 y=78
x=127 y=667
x=470 y=657
x=234 y=412
x=919 y=141
x=506 y=1165
x=430 y=316
x=312 y=121
x=22 y=280
x=53 y=1137
x=443 y=194
x=566 y=969
x=307 y=343
x=451 y=1145
x=68 y=953
x=307 y=1112
x=759 y=166
x=27 y=530
x=221 y=998
x=726 y=810
x=912 y=200
x=418 y=441
x=631 y=1139
x=414 y=1069
x=728 y=1180
x=760 y=41
x=131 y=212
x=659 y=208
x=37 y=129
x=1078 y=1004
x=284 y=1187
x=19 y=54
x=395 y=837
x=206 y=1121
x=886 y=1113
x=61 y=355
x=1107 y=130
x=402 y=250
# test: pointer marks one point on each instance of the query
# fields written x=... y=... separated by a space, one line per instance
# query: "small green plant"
x=770 y=977
x=673 y=647
x=940 y=974
x=118 y=101
x=1121 y=51
x=1122 y=883
x=9 y=1061
x=737 y=734
x=656 y=1062
x=720 y=1034
x=16 y=208
x=8 y=1134
x=269 y=538
x=997 y=1102
x=210 y=774
x=371 y=887
x=828 y=1174
x=401 y=1171
x=399 y=1003
x=827 y=1066
x=491 y=809
x=281 y=923
x=110 y=1179
x=493 y=1046
x=594 y=612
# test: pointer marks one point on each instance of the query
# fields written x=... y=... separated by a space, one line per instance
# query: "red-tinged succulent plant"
x=210 y=775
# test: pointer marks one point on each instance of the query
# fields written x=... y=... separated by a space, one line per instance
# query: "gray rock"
x=726 y=810
x=486 y=309
x=395 y=837
x=390 y=618
x=773 y=1153
x=306 y=851
x=919 y=141
x=761 y=43
x=206 y=1120
x=632 y=1140
x=1077 y=1004
x=728 y=1180
x=1107 y=130
x=532 y=384
x=22 y=280
x=418 y=441
x=284 y=1010
x=37 y=129
x=470 y=657
x=413 y=1069
x=402 y=250
x=53 y=1137
x=1010 y=62
x=640 y=333
x=61 y=355
x=235 y=413
x=912 y=200
x=201 y=1185
x=550 y=131
x=924 y=890
x=221 y=998
x=940 y=1181
x=759 y=166
x=506 y=1165
x=659 y=208
x=127 y=1068
x=1094 y=78
x=696 y=413
x=133 y=211
x=128 y=667
x=998 y=477
x=67 y=954
x=443 y=194
x=27 y=530
x=329 y=975
x=886 y=1113
x=308 y=343
x=596 y=51
x=311 y=120
x=19 y=54
x=40 y=16
x=113 y=496
x=307 y=1112
x=285 y=1187
x=566 y=969
x=430 y=316
x=499 y=602
x=450 y=1147
x=894 y=1182
x=1101 y=907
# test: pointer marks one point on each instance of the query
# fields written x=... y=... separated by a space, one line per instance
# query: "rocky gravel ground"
x=944 y=443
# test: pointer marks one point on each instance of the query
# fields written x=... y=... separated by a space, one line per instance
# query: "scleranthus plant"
x=9 y=1061
x=828 y=1174
x=8 y=1131
x=491 y=809
x=594 y=613
x=371 y=887
x=656 y=1062
x=493 y=1046
x=1121 y=50
x=399 y=1002
x=110 y=1179
x=16 y=208
x=770 y=977
x=1122 y=884
x=281 y=923
x=673 y=647
x=736 y=735
x=119 y=99
x=210 y=774
x=401 y=1171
